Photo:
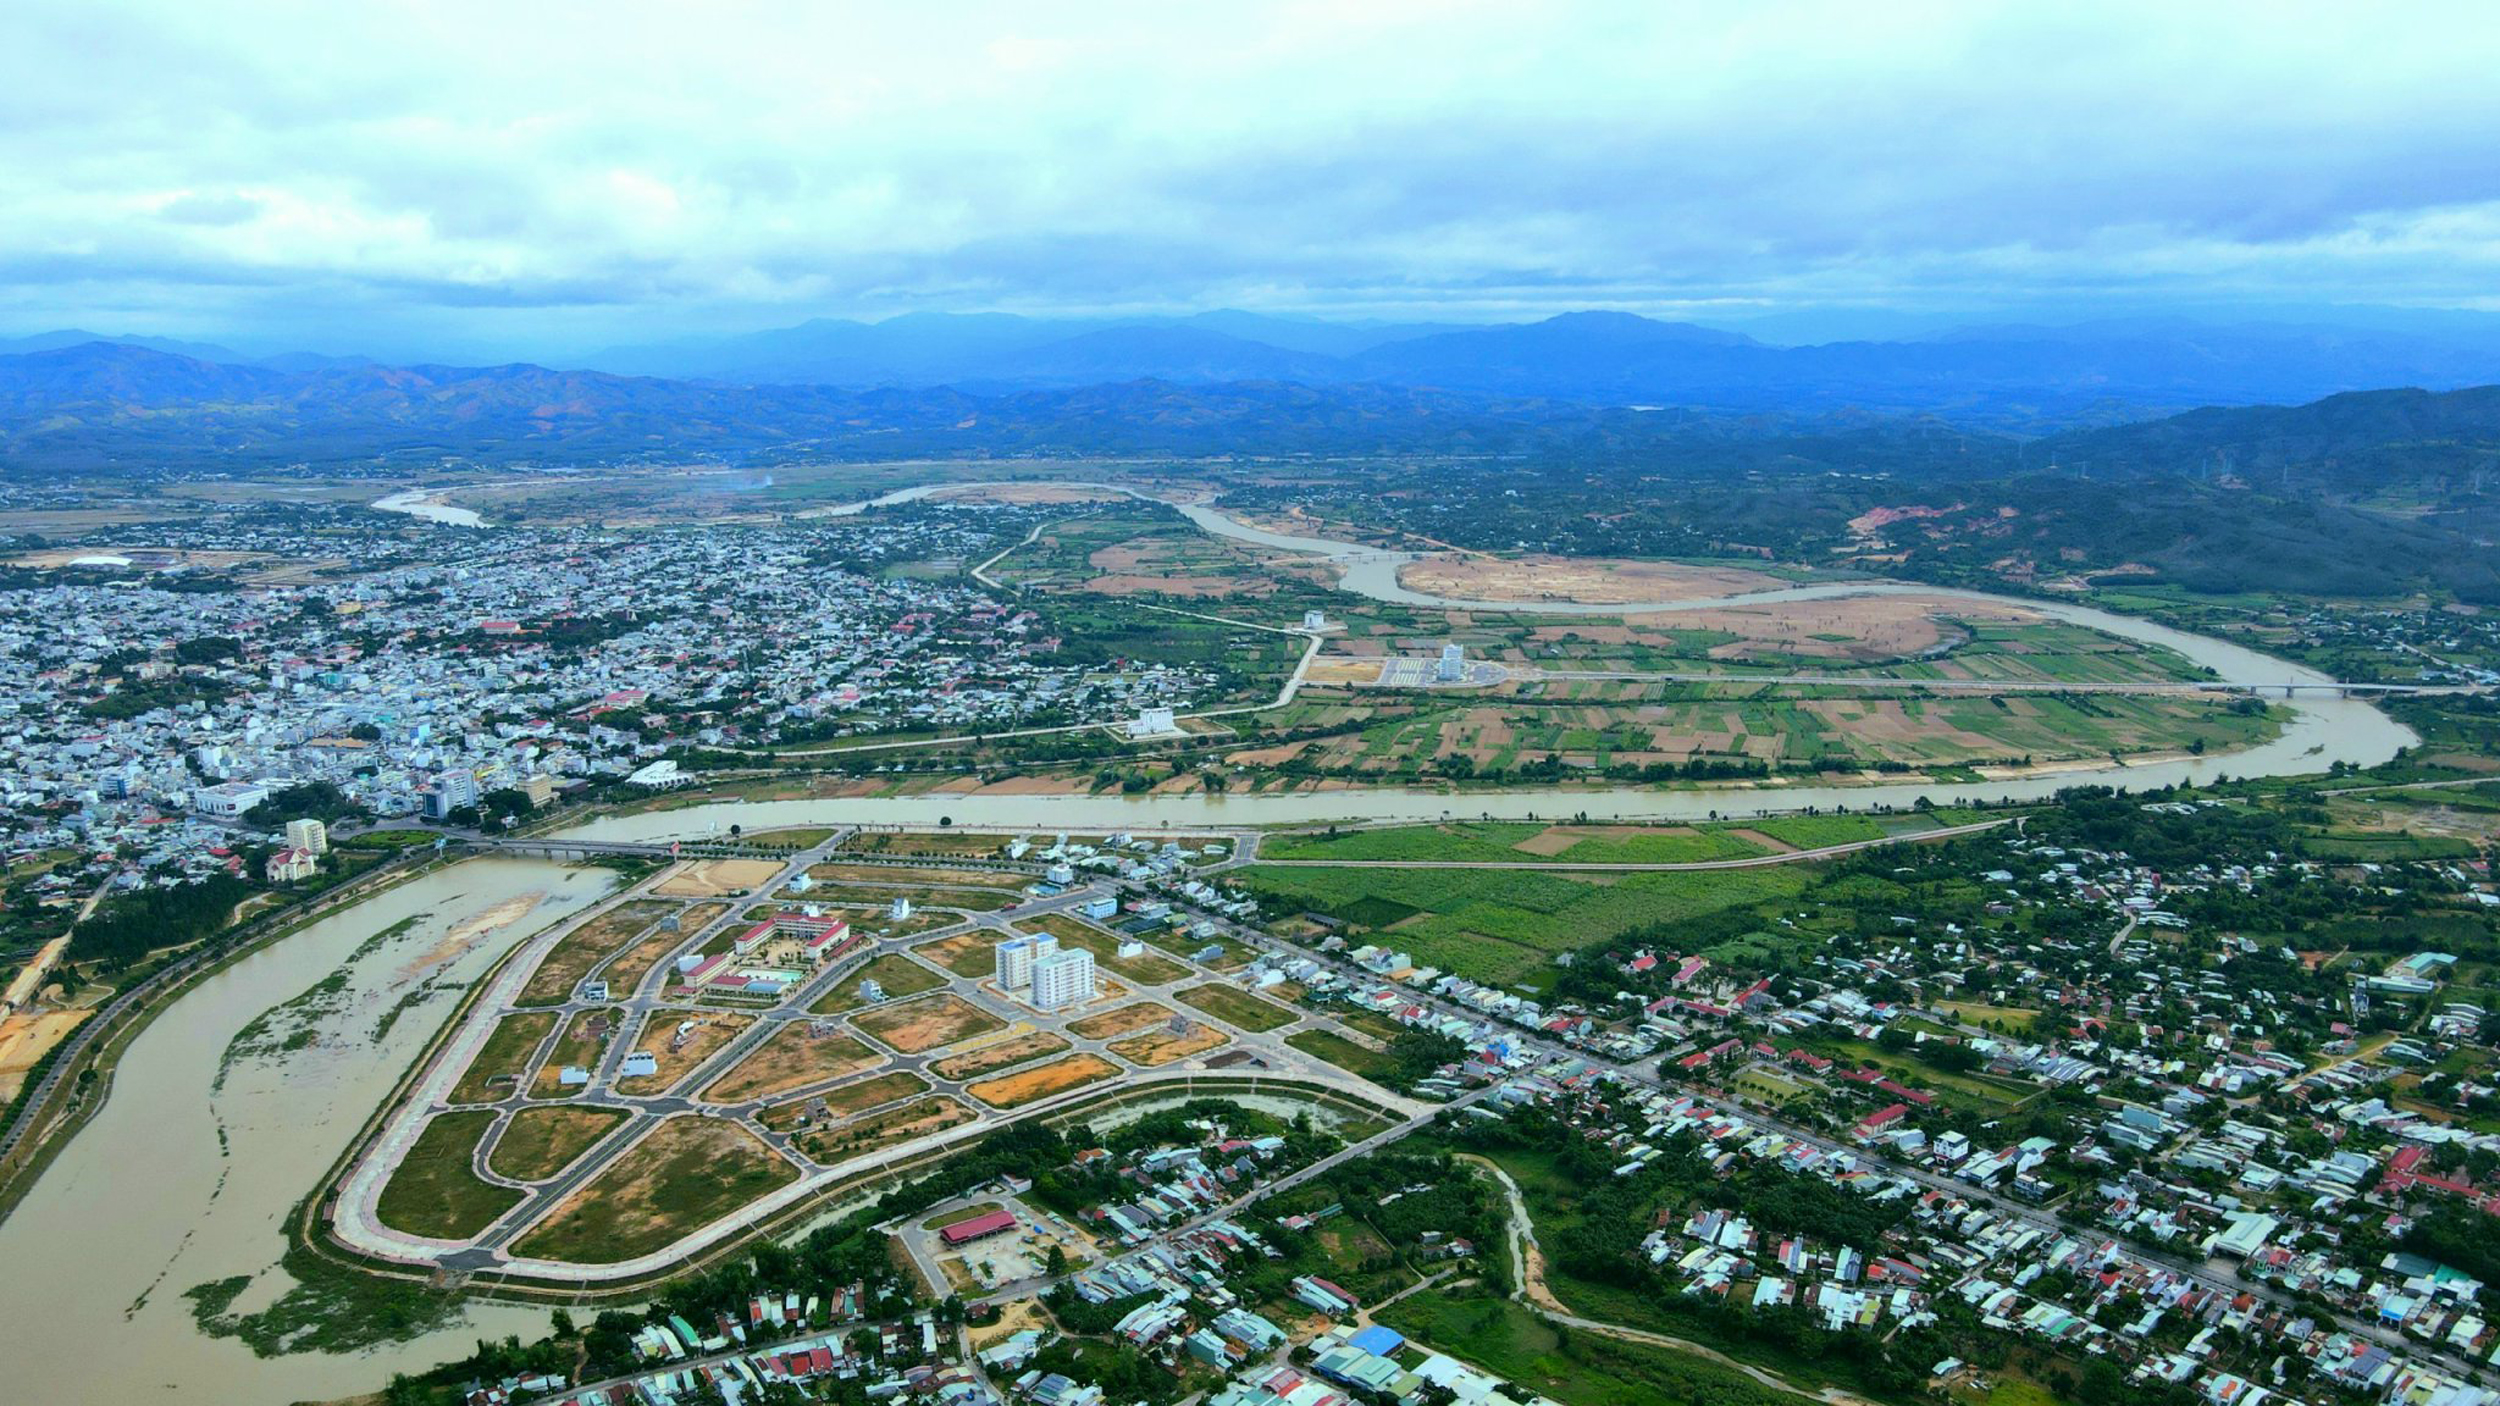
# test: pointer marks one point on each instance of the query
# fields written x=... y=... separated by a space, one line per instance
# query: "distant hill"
x=2358 y=443
x=2026 y=379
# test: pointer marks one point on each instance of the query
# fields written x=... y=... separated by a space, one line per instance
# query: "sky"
x=518 y=179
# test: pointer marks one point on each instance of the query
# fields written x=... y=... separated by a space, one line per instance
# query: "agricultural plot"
x=504 y=1058
x=1519 y=843
x=1042 y=1081
x=587 y=946
x=800 y=1053
x=689 y=1172
x=928 y=1023
x=434 y=1193
x=1235 y=1007
x=1001 y=1054
x=540 y=1142
x=1505 y=927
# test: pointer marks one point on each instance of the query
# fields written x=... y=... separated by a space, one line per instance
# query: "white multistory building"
x=310 y=836
x=1017 y=958
x=1063 y=979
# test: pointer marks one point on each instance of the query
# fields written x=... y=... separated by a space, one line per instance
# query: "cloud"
x=506 y=173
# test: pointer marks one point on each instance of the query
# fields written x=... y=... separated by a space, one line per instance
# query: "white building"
x=1063 y=979
x=449 y=791
x=1018 y=956
x=1453 y=664
x=1315 y=619
x=1154 y=722
x=228 y=800
x=310 y=836
x=900 y=912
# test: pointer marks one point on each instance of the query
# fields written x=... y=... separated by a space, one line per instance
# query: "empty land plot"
x=1126 y=1020
x=837 y=1142
x=704 y=1035
x=848 y=1101
x=795 y=1056
x=505 y=1056
x=1235 y=1007
x=583 y=1040
x=898 y=975
x=1148 y=968
x=587 y=946
x=627 y=971
x=433 y=1192
x=1001 y=1054
x=716 y=878
x=1162 y=1045
x=902 y=877
x=1343 y=1053
x=688 y=1173
x=1042 y=1081
x=964 y=954
x=1593 y=580
x=927 y=1023
x=540 y=1142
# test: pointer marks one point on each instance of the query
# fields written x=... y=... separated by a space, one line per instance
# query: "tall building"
x=1018 y=956
x=1063 y=979
x=1453 y=663
x=310 y=836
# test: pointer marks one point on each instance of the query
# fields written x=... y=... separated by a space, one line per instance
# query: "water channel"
x=186 y=1177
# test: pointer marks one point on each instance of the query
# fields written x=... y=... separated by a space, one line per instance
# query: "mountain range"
x=2024 y=379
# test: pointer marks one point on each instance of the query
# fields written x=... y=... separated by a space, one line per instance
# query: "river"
x=182 y=1179
x=2322 y=730
x=430 y=504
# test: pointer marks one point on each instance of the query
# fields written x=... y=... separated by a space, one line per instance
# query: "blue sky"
x=519 y=179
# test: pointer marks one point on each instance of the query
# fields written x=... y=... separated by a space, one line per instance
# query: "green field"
x=1235 y=1007
x=1343 y=1053
x=433 y=1192
x=541 y=1142
x=1582 y=1369
x=688 y=1173
x=507 y=1051
x=1505 y=926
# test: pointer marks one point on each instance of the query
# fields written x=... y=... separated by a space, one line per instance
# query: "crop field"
x=1519 y=843
x=1042 y=1081
x=928 y=1023
x=1158 y=1047
x=1505 y=927
x=899 y=975
x=586 y=947
x=1235 y=1007
x=893 y=1127
x=676 y=1058
x=1001 y=1054
x=793 y=1057
x=433 y=1191
x=1147 y=969
x=1105 y=1025
x=689 y=1172
x=540 y=1142
x=504 y=1057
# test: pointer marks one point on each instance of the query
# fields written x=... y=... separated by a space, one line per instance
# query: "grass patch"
x=1343 y=1053
x=504 y=1057
x=433 y=1192
x=1235 y=1007
x=540 y=1142
x=1006 y=1054
x=899 y=975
